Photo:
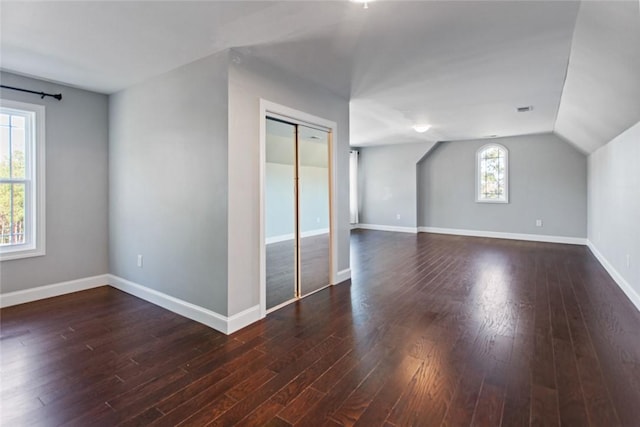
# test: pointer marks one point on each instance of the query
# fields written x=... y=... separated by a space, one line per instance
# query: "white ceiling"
x=463 y=67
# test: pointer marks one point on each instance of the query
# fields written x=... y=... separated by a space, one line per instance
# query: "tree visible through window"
x=492 y=174
x=21 y=180
x=12 y=173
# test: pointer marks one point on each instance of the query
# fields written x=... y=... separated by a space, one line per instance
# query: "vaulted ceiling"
x=601 y=96
x=463 y=67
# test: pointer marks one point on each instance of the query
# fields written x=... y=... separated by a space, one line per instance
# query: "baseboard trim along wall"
x=343 y=275
x=231 y=324
x=242 y=319
x=285 y=237
x=501 y=235
x=219 y=322
x=617 y=277
x=224 y=324
x=54 y=290
x=396 y=228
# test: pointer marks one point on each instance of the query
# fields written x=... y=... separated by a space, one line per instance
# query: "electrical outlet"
x=397 y=216
x=140 y=261
x=628 y=261
x=538 y=223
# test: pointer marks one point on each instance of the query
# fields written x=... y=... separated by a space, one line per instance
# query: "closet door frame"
x=296 y=117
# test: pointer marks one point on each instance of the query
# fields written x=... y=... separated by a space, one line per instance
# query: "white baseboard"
x=242 y=319
x=395 y=228
x=617 y=277
x=501 y=235
x=343 y=275
x=41 y=292
x=285 y=237
x=219 y=322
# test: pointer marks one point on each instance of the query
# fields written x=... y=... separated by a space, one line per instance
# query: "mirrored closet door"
x=313 y=209
x=297 y=211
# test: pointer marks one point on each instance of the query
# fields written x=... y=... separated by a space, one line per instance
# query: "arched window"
x=492 y=174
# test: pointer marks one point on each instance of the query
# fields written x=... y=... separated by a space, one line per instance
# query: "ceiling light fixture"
x=421 y=128
x=365 y=3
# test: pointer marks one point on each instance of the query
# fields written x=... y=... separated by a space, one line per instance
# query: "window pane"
x=17 y=122
x=20 y=226
x=492 y=153
x=17 y=153
x=492 y=174
x=12 y=219
x=4 y=152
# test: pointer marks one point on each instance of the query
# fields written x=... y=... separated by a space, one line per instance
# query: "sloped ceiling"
x=601 y=96
x=106 y=46
x=461 y=66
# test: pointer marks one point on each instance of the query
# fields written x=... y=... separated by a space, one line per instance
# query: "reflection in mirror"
x=313 y=216
x=280 y=212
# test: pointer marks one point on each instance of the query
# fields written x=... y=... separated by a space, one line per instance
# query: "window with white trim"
x=492 y=174
x=22 y=199
x=353 y=187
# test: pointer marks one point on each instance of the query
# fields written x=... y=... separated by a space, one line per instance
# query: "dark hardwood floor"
x=280 y=272
x=434 y=330
x=314 y=266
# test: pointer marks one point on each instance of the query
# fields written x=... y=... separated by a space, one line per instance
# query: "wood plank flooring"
x=280 y=268
x=433 y=330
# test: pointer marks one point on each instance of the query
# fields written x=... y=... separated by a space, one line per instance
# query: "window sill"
x=12 y=254
x=492 y=201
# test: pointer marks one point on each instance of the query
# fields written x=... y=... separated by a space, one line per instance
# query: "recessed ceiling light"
x=524 y=109
x=421 y=128
x=365 y=3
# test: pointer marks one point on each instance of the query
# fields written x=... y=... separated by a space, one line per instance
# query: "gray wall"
x=614 y=203
x=279 y=204
x=168 y=183
x=76 y=187
x=387 y=183
x=547 y=180
x=250 y=80
x=314 y=198
x=279 y=199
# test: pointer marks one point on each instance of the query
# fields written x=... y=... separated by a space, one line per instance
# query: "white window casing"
x=33 y=243
x=492 y=174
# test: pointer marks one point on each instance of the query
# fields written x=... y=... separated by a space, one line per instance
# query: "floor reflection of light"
x=495 y=300
x=361 y=333
x=433 y=378
x=17 y=372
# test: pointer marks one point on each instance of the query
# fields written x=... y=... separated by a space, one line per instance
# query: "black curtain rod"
x=57 y=96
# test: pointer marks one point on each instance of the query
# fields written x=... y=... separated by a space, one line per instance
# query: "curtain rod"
x=57 y=96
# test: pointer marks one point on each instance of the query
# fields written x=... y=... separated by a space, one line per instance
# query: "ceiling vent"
x=524 y=109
